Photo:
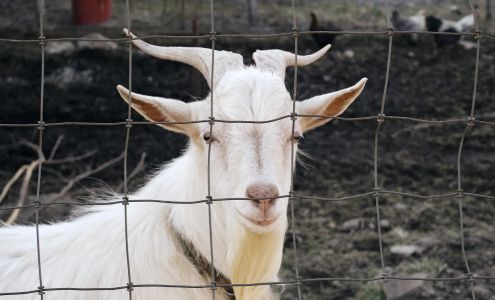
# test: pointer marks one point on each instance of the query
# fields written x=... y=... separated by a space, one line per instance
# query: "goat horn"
x=197 y=57
x=278 y=60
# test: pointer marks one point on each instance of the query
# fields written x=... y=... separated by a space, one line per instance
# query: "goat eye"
x=207 y=137
x=296 y=137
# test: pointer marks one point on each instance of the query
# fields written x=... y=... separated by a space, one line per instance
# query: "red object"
x=91 y=11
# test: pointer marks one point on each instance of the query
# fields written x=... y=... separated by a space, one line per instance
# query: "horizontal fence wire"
x=458 y=195
x=250 y=35
x=293 y=195
x=353 y=119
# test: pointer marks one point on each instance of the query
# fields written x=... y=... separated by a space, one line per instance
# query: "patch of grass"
x=426 y=265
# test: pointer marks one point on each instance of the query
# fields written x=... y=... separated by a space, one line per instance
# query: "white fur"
x=89 y=251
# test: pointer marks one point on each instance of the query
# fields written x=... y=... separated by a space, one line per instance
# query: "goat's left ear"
x=157 y=109
x=332 y=104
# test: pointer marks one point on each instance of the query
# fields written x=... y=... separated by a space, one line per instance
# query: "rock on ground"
x=408 y=289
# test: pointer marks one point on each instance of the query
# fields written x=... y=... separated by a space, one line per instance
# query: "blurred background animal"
x=323 y=39
x=409 y=23
x=464 y=24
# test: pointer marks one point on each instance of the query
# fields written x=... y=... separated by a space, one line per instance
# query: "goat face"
x=252 y=161
x=247 y=160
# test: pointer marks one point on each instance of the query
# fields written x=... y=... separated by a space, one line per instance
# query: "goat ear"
x=157 y=109
x=332 y=104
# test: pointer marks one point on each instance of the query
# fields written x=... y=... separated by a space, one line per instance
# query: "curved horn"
x=197 y=57
x=278 y=60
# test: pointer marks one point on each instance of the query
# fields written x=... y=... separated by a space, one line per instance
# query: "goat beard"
x=255 y=258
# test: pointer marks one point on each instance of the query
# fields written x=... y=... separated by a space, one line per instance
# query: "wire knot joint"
x=128 y=123
x=211 y=121
x=125 y=200
x=41 y=290
x=37 y=203
x=295 y=31
x=213 y=35
x=470 y=121
x=477 y=34
x=41 y=125
x=209 y=199
x=130 y=286
x=380 y=118
x=293 y=116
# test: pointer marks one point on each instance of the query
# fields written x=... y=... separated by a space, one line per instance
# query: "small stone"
x=481 y=292
x=59 y=47
x=400 y=206
x=408 y=289
x=349 y=53
x=405 y=250
x=385 y=224
x=427 y=242
x=103 y=45
x=400 y=233
x=68 y=75
x=331 y=224
x=353 y=224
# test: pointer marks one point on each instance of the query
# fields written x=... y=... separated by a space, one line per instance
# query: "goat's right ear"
x=157 y=109
x=330 y=105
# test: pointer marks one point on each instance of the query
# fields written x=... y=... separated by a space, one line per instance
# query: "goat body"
x=89 y=251
x=251 y=161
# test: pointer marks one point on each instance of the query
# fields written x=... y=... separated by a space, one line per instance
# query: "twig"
x=27 y=172
x=11 y=181
x=35 y=148
x=55 y=147
x=71 y=159
x=139 y=167
x=70 y=184
x=23 y=190
x=83 y=175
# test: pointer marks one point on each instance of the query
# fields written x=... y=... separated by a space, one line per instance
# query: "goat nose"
x=263 y=194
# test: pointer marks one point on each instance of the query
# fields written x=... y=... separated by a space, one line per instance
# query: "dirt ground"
x=334 y=239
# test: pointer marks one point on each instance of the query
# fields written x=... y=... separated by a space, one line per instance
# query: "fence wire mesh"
x=376 y=193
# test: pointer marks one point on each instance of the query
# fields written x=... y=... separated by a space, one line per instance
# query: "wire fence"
x=377 y=192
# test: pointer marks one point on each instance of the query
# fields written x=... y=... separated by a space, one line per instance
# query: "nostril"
x=262 y=191
x=263 y=205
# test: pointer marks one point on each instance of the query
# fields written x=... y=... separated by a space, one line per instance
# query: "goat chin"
x=255 y=257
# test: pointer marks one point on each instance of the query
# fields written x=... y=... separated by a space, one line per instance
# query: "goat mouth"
x=263 y=222
x=260 y=222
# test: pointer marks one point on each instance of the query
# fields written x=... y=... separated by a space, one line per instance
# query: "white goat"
x=169 y=243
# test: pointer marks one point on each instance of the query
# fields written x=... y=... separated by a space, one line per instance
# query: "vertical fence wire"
x=380 y=121
x=465 y=134
x=41 y=122
x=211 y=123
x=126 y=152
x=295 y=31
x=470 y=121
